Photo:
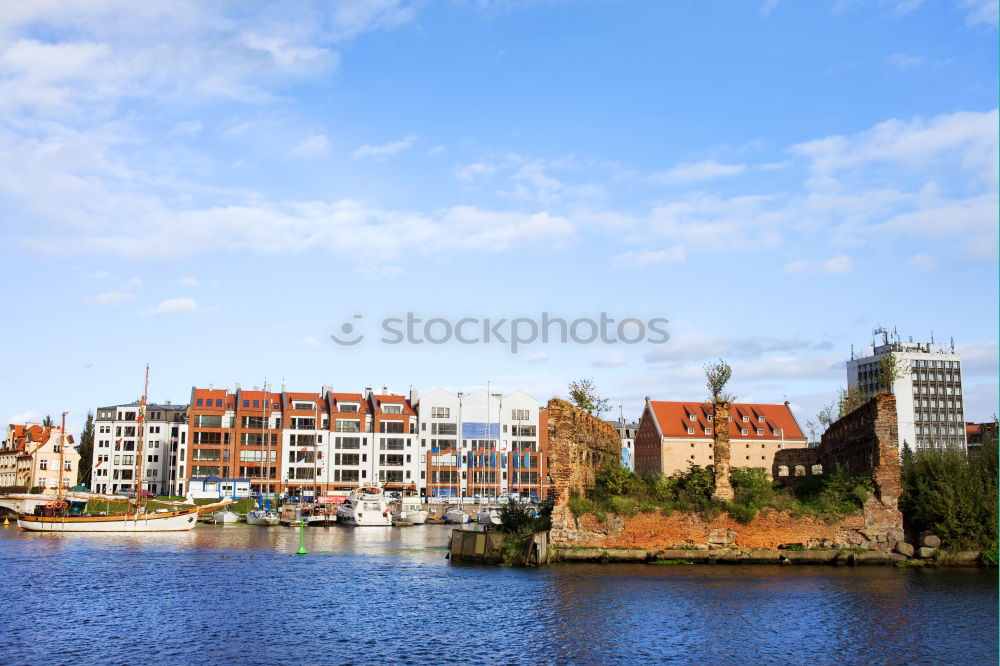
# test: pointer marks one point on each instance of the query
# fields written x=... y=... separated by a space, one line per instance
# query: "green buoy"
x=302 y=546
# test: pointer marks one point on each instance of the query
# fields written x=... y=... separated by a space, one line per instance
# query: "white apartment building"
x=165 y=432
x=479 y=443
x=929 y=400
x=626 y=430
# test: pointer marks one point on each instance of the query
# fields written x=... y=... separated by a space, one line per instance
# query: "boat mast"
x=138 y=450
x=62 y=453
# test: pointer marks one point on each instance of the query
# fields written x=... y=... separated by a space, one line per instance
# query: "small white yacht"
x=456 y=515
x=365 y=506
x=225 y=517
x=408 y=510
x=488 y=515
x=263 y=517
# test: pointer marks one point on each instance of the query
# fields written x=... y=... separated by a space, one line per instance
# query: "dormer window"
x=709 y=418
x=708 y=431
x=690 y=431
x=760 y=432
x=299 y=405
x=347 y=406
x=777 y=431
x=743 y=431
x=746 y=419
x=392 y=409
x=692 y=417
x=760 y=418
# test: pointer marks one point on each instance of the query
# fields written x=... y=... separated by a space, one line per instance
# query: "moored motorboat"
x=364 y=507
x=408 y=510
x=166 y=521
x=262 y=517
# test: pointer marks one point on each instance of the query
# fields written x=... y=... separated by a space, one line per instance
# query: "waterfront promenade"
x=239 y=594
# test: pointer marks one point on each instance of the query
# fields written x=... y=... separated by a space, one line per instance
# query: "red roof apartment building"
x=674 y=435
x=302 y=443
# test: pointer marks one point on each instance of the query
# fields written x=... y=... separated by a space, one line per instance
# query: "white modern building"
x=165 y=433
x=480 y=444
x=929 y=400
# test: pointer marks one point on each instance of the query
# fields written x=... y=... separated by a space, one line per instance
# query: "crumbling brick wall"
x=866 y=441
x=579 y=446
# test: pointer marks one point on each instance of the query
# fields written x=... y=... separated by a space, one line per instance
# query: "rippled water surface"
x=220 y=595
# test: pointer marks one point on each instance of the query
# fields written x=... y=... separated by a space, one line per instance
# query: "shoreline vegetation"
x=950 y=493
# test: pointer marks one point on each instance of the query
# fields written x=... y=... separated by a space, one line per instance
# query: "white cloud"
x=22 y=418
x=135 y=282
x=315 y=145
x=924 y=262
x=838 y=264
x=187 y=128
x=612 y=359
x=767 y=7
x=383 y=151
x=980 y=12
x=172 y=306
x=436 y=150
x=690 y=172
x=906 y=61
x=310 y=341
x=537 y=358
x=675 y=253
x=190 y=282
x=978 y=359
x=797 y=266
x=110 y=298
x=97 y=275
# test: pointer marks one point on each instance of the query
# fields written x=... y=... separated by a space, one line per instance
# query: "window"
x=347 y=406
x=392 y=409
x=690 y=431
x=709 y=418
x=43 y=464
x=760 y=431
x=218 y=403
x=777 y=431
x=743 y=431
x=208 y=420
x=440 y=412
x=303 y=405
x=246 y=403
x=746 y=419
x=256 y=403
x=520 y=414
x=760 y=418
x=198 y=402
x=708 y=431
x=692 y=417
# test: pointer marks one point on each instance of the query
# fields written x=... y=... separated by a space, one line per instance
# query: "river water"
x=239 y=594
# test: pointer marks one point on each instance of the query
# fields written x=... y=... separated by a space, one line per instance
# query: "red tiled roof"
x=674 y=419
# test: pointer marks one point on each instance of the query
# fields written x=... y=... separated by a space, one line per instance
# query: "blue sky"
x=214 y=188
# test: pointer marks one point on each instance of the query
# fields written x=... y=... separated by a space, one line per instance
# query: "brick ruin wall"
x=579 y=446
x=864 y=441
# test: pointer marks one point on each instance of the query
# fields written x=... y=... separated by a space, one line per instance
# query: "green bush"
x=514 y=517
x=953 y=494
x=35 y=490
x=625 y=506
x=742 y=513
x=988 y=558
x=580 y=505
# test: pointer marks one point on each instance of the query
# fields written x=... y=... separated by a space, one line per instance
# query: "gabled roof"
x=675 y=418
x=378 y=399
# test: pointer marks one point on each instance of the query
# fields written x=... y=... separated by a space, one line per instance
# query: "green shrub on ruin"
x=742 y=513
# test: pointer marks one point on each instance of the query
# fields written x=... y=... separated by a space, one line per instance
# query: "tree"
x=826 y=416
x=47 y=421
x=848 y=400
x=891 y=369
x=583 y=394
x=86 y=450
x=717 y=376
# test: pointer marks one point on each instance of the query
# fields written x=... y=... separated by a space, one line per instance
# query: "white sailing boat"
x=54 y=516
x=456 y=515
x=365 y=506
x=225 y=517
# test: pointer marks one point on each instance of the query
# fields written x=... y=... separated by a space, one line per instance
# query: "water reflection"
x=239 y=593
